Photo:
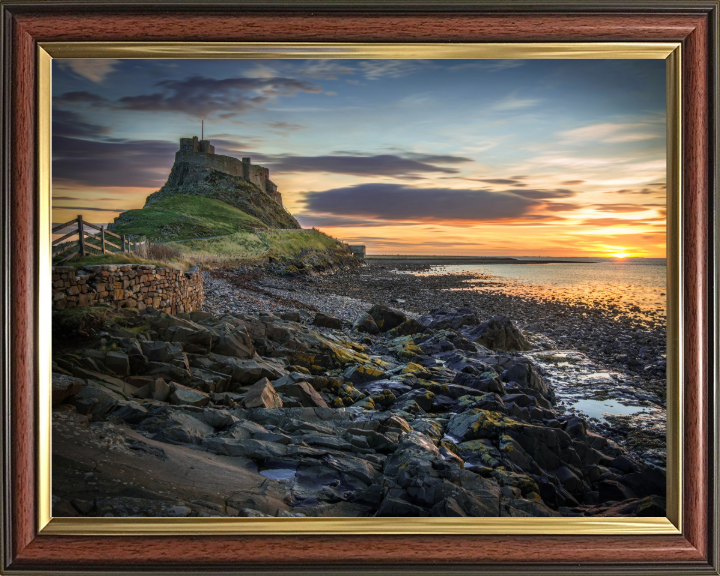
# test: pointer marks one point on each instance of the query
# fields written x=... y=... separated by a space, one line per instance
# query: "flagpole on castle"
x=202 y=129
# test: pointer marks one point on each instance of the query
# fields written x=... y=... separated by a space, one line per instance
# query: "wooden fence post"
x=102 y=237
x=81 y=233
x=123 y=243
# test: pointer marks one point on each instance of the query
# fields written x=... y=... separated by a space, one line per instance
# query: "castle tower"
x=195 y=145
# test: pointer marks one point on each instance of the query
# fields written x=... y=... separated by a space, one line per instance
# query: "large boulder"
x=184 y=396
x=303 y=392
x=262 y=395
x=176 y=427
x=64 y=386
x=117 y=362
x=159 y=351
x=527 y=376
x=498 y=333
x=386 y=318
x=196 y=341
x=95 y=399
x=327 y=321
x=366 y=323
x=130 y=412
x=410 y=326
x=445 y=319
x=237 y=344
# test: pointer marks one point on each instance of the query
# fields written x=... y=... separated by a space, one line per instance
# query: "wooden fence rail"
x=87 y=240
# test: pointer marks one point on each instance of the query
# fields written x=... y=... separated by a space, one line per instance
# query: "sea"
x=636 y=283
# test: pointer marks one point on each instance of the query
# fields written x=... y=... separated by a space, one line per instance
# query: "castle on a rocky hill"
x=202 y=153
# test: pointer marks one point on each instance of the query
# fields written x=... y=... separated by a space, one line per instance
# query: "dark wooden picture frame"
x=692 y=23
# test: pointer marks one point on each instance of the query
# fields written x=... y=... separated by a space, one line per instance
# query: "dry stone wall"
x=128 y=285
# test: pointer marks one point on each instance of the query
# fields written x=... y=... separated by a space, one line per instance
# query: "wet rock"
x=118 y=362
x=397 y=507
x=365 y=323
x=130 y=412
x=651 y=480
x=63 y=508
x=378 y=386
x=262 y=395
x=176 y=427
x=569 y=480
x=95 y=399
x=386 y=318
x=481 y=452
x=407 y=328
x=527 y=376
x=236 y=343
x=613 y=490
x=327 y=321
x=184 y=396
x=304 y=392
x=443 y=319
x=363 y=373
x=622 y=463
x=64 y=386
x=498 y=333
x=576 y=428
x=159 y=390
x=487 y=382
x=423 y=398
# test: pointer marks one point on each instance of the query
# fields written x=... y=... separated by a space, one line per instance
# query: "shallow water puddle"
x=607 y=399
x=279 y=473
x=596 y=408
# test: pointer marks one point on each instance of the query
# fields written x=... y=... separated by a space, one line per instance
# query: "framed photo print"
x=360 y=288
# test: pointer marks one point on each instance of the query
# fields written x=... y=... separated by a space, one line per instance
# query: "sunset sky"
x=474 y=157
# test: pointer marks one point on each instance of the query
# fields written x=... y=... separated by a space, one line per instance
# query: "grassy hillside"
x=281 y=245
x=178 y=217
x=188 y=179
x=291 y=251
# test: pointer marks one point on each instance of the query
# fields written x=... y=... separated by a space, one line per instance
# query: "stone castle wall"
x=258 y=175
x=218 y=162
x=128 y=285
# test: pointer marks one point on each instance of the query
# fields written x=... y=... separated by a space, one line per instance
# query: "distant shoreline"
x=468 y=259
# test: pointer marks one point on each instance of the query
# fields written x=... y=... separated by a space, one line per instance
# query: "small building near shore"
x=358 y=250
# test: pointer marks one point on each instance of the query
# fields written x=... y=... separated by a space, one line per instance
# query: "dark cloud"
x=201 y=96
x=637 y=190
x=285 y=126
x=620 y=208
x=77 y=97
x=499 y=181
x=561 y=206
x=317 y=221
x=392 y=202
x=572 y=182
x=93 y=163
x=437 y=158
x=67 y=123
x=613 y=222
x=381 y=165
x=543 y=194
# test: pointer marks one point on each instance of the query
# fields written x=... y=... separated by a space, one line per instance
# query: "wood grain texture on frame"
x=694 y=551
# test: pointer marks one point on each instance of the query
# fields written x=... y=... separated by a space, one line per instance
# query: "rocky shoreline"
x=365 y=392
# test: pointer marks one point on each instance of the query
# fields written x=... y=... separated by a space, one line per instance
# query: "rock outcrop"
x=172 y=419
x=189 y=178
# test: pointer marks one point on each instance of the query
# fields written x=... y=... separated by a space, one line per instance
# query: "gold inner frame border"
x=668 y=51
